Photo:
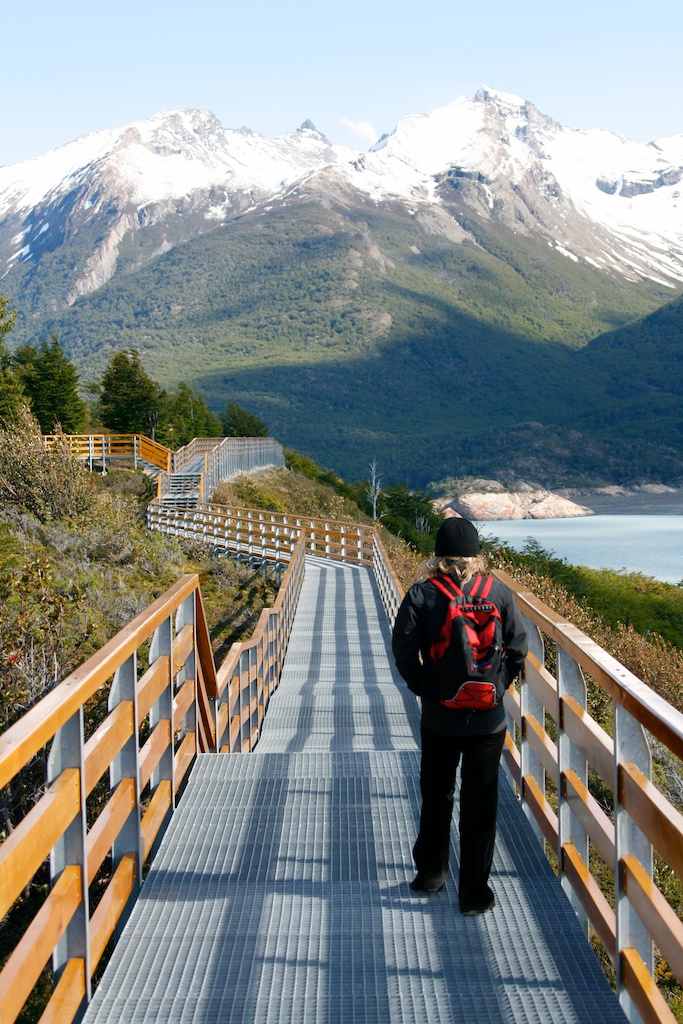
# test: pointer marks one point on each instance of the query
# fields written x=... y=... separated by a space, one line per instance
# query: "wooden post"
x=185 y=616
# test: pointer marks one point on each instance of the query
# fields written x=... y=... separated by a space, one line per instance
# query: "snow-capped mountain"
x=595 y=196
x=132 y=177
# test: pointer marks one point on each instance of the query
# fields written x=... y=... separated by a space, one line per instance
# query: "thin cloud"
x=365 y=130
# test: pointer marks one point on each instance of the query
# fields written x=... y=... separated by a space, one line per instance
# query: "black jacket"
x=418 y=624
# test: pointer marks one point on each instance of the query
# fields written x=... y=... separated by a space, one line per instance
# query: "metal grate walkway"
x=280 y=893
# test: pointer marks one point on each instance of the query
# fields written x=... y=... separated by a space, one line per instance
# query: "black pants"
x=478 y=808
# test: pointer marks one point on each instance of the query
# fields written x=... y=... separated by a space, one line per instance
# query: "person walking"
x=470 y=738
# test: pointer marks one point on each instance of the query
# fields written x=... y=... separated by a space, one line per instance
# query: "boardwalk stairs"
x=184 y=477
x=185 y=487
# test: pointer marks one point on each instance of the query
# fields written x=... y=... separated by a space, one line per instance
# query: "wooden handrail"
x=187 y=705
x=635 y=696
x=37 y=727
x=264 y=536
x=244 y=682
x=644 y=818
x=174 y=698
x=103 y=447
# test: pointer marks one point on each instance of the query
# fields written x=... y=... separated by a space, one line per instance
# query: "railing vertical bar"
x=68 y=751
x=186 y=616
x=531 y=705
x=162 y=645
x=250 y=540
x=630 y=745
x=570 y=682
x=126 y=765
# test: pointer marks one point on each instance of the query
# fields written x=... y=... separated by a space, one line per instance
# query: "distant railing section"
x=253 y=667
x=154 y=723
x=552 y=742
x=163 y=482
x=256 y=536
x=103 y=448
x=390 y=589
x=196 y=448
x=223 y=458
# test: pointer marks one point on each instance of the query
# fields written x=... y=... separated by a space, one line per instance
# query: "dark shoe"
x=428 y=883
x=474 y=909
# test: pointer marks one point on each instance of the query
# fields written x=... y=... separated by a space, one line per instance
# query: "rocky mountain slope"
x=362 y=303
x=595 y=196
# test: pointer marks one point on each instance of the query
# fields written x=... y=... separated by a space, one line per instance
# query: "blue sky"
x=70 y=66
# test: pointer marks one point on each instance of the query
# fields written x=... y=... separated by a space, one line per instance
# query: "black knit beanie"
x=457 y=537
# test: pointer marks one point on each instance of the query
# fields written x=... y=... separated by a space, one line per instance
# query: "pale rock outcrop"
x=527 y=504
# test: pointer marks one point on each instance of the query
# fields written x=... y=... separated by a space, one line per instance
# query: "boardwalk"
x=280 y=893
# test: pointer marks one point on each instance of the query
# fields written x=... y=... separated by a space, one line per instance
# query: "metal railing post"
x=68 y=751
x=238 y=538
x=570 y=683
x=264 y=547
x=250 y=540
x=278 y=555
x=162 y=710
x=126 y=765
x=530 y=705
x=187 y=616
x=630 y=745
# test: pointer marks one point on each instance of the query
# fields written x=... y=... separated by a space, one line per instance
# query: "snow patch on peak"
x=183 y=119
x=487 y=95
x=381 y=142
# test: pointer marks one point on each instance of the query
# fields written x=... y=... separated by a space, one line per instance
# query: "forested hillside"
x=642 y=366
x=364 y=334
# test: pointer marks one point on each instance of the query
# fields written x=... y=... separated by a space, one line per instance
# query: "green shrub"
x=47 y=482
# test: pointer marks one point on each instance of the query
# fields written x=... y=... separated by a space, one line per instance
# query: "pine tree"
x=50 y=380
x=12 y=397
x=239 y=422
x=130 y=401
x=188 y=417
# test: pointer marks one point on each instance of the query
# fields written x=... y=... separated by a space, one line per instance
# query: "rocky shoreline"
x=488 y=500
x=617 y=490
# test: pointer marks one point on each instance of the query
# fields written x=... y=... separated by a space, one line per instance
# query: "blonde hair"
x=454 y=565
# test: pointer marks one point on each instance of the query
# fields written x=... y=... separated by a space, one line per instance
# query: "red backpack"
x=469 y=655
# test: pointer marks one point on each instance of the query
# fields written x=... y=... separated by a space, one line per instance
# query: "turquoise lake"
x=634 y=539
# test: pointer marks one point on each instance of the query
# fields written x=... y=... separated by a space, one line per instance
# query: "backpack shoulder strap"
x=446 y=586
x=482 y=584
